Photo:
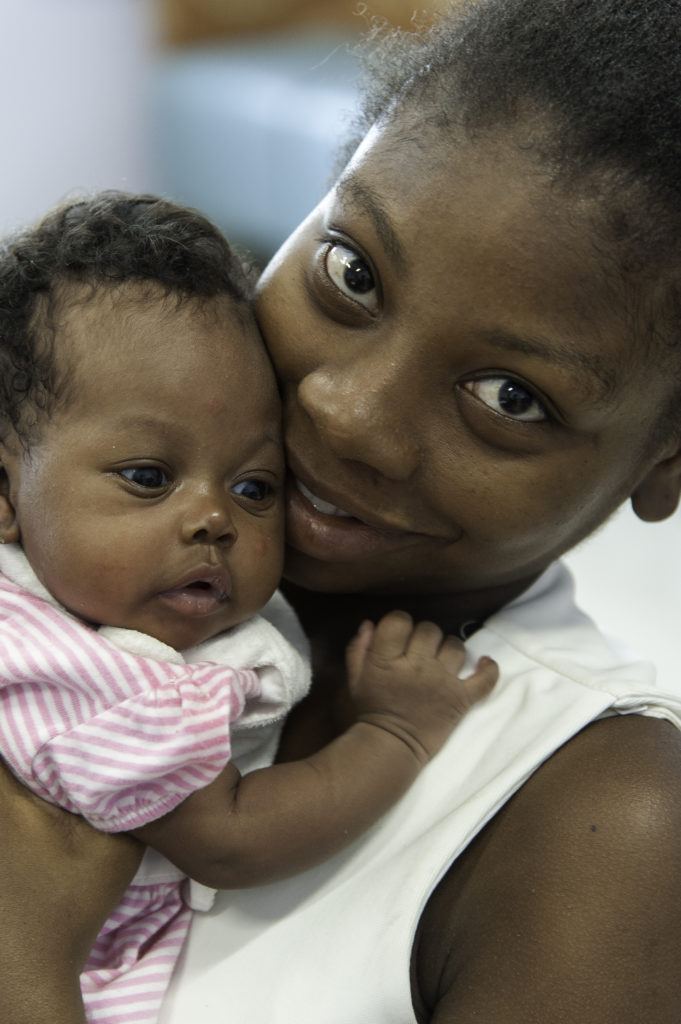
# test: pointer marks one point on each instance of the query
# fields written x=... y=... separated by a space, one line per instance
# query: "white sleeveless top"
x=333 y=945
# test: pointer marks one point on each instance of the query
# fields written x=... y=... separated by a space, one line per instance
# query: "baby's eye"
x=352 y=275
x=508 y=397
x=152 y=477
x=253 y=489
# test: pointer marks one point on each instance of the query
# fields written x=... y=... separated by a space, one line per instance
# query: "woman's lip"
x=325 y=507
x=332 y=538
x=338 y=503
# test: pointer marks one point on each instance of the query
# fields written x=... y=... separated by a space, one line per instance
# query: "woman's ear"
x=9 y=527
x=657 y=496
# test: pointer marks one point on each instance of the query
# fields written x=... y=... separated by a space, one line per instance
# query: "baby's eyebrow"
x=145 y=423
x=591 y=368
x=272 y=439
x=354 y=191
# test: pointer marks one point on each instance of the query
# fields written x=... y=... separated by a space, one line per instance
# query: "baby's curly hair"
x=105 y=240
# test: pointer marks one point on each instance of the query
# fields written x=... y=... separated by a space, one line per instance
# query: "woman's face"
x=463 y=396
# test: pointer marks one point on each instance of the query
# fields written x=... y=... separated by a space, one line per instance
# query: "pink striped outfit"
x=119 y=728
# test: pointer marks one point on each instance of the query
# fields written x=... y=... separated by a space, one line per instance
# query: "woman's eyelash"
x=349 y=272
x=508 y=397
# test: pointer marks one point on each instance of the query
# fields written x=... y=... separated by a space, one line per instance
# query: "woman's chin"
x=364 y=576
x=326 y=577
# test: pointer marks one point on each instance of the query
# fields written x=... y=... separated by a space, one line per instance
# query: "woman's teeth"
x=325 y=507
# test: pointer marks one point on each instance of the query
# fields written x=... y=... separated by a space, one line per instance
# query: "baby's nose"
x=210 y=526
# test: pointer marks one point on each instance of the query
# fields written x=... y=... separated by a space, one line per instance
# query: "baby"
x=142 y=515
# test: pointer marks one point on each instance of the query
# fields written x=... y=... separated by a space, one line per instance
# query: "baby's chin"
x=184 y=636
x=181 y=636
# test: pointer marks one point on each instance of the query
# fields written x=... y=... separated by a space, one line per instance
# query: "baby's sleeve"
x=138 y=759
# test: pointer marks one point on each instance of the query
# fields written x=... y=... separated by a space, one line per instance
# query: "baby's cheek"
x=263 y=545
x=268 y=552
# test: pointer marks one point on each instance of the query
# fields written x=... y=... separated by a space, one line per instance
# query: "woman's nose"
x=363 y=417
x=209 y=522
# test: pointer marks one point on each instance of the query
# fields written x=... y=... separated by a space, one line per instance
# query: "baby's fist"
x=405 y=678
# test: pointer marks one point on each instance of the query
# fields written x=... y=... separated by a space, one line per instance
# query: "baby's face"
x=153 y=499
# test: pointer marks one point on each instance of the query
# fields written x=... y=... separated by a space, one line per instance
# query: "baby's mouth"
x=207 y=587
x=199 y=593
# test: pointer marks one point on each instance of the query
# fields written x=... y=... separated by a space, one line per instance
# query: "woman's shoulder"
x=568 y=904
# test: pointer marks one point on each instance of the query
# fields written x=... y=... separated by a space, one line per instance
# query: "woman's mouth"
x=325 y=507
x=322 y=530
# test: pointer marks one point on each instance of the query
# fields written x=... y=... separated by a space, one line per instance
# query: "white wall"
x=629 y=579
x=73 y=100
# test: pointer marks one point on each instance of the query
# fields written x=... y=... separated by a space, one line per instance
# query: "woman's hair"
x=600 y=78
x=592 y=88
x=104 y=241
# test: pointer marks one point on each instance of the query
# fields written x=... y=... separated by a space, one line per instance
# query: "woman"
x=475 y=334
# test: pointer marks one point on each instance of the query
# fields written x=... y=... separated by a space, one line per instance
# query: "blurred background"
x=238 y=108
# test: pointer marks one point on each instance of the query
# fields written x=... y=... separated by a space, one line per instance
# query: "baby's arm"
x=244 y=831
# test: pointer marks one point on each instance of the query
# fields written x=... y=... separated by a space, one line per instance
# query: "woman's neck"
x=330 y=620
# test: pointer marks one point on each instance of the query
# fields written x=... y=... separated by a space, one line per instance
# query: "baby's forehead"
x=91 y=299
x=120 y=337
x=124 y=320
x=143 y=368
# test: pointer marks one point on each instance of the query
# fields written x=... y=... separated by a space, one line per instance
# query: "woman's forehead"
x=423 y=187
x=476 y=236
x=484 y=222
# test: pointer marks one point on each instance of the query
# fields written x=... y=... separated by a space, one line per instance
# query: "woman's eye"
x=352 y=275
x=253 y=490
x=151 y=477
x=509 y=398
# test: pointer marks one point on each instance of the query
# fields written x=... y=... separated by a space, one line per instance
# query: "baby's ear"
x=9 y=527
x=657 y=496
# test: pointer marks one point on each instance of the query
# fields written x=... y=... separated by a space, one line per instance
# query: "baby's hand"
x=405 y=678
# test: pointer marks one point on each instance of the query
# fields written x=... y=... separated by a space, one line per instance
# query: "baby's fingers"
x=425 y=640
x=481 y=682
x=391 y=636
x=356 y=651
x=452 y=654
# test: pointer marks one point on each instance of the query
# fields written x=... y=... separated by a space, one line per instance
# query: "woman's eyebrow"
x=352 y=190
x=591 y=368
